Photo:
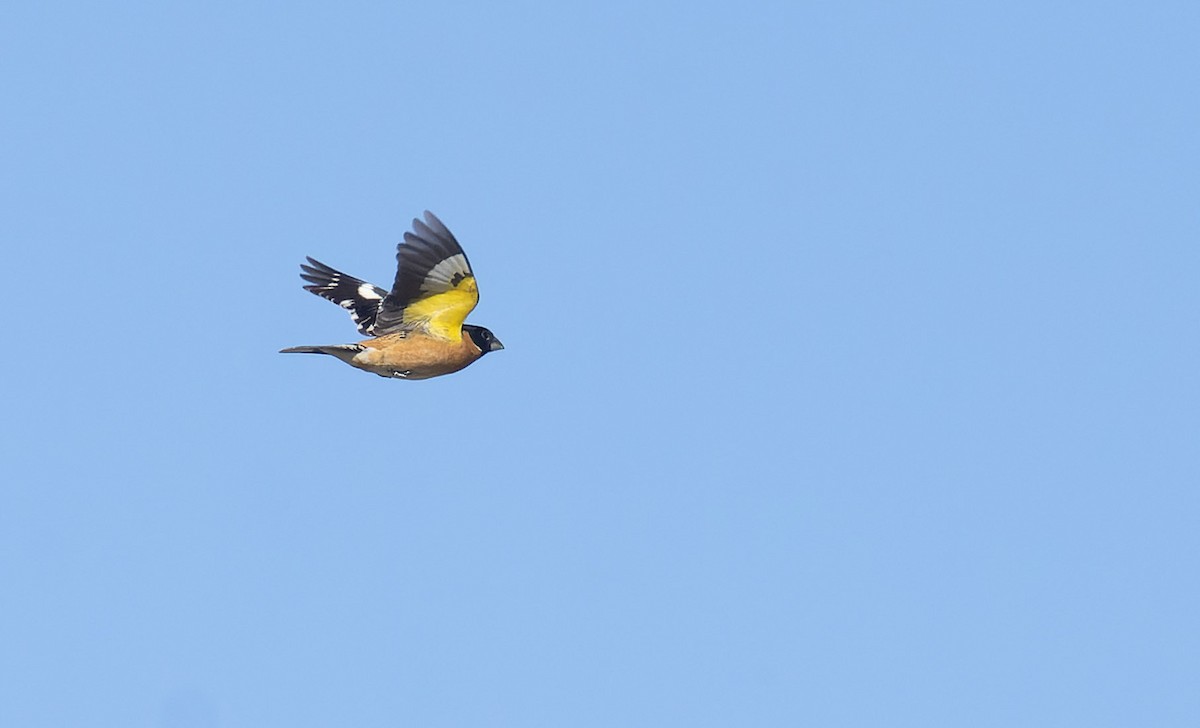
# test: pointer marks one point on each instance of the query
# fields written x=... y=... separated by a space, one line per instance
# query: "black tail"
x=345 y=352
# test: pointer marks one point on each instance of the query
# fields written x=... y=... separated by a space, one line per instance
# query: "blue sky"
x=851 y=373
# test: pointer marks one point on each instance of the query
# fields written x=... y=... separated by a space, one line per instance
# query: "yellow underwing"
x=442 y=314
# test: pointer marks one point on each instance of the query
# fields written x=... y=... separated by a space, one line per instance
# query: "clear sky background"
x=852 y=373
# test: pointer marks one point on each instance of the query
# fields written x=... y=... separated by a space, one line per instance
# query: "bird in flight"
x=417 y=328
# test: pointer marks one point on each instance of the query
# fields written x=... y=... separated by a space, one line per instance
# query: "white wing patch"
x=442 y=277
x=367 y=290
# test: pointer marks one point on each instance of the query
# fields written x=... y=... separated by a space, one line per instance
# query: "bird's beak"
x=496 y=345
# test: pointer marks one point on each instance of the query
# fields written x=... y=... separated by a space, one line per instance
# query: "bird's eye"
x=487 y=335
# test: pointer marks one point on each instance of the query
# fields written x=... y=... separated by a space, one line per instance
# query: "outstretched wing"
x=360 y=298
x=434 y=289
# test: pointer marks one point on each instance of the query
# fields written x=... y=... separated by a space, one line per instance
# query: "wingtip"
x=315 y=264
x=432 y=220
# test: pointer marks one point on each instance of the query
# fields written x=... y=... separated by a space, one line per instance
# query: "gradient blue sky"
x=852 y=374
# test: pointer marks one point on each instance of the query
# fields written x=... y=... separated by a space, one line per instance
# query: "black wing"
x=360 y=298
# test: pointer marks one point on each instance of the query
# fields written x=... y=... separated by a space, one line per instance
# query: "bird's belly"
x=413 y=357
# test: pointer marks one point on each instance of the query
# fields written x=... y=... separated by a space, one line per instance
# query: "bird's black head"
x=484 y=339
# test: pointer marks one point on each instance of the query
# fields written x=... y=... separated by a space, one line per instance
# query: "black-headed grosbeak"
x=417 y=328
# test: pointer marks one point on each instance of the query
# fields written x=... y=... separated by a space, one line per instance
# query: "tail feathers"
x=345 y=352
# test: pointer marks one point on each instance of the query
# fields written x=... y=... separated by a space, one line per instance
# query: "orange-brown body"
x=414 y=356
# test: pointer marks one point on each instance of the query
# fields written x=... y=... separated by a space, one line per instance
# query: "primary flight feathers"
x=360 y=298
x=417 y=327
